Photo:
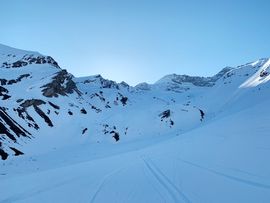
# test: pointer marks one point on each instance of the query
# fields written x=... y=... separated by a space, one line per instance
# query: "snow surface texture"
x=182 y=139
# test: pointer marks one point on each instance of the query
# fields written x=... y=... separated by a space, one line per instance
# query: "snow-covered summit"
x=195 y=80
x=16 y=58
x=4 y=49
x=99 y=82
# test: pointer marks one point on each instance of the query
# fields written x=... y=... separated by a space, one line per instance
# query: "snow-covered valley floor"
x=225 y=160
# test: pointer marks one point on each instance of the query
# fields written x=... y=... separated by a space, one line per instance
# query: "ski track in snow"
x=166 y=183
x=103 y=182
x=234 y=178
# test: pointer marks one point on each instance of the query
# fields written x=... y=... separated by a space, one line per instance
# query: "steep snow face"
x=231 y=92
x=261 y=76
x=16 y=58
x=6 y=50
x=28 y=83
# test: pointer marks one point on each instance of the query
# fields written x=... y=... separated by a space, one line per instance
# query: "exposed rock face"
x=16 y=151
x=116 y=135
x=13 y=125
x=177 y=80
x=143 y=86
x=12 y=81
x=32 y=102
x=202 y=114
x=84 y=130
x=221 y=73
x=83 y=111
x=113 y=131
x=4 y=93
x=264 y=73
x=124 y=84
x=9 y=128
x=3 y=81
x=54 y=105
x=35 y=103
x=197 y=81
x=31 y=59
x=22 y=113
x=123 y=99
x=165 y=114
x=62 y=84
x=103 y=82
x=19 y=100
x=3 y=154
x=44 y=116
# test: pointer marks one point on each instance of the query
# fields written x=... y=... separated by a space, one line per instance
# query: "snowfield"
x=182 y=139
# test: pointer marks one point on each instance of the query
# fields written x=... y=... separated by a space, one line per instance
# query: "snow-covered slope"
x=89 y=139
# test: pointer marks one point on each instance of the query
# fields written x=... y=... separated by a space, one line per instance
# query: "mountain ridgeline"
x=41 y=103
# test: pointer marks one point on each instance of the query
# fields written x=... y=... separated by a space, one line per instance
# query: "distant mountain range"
x=40 y=98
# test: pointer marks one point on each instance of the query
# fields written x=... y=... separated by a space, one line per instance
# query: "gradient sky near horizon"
x=139 y=40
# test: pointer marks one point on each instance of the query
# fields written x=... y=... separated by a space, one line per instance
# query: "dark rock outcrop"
x=10 y=128
x=31 y=59
x=116 y=135
x=13 y=81
x=103 y=82
x=44 y=116
x=84 y=130
x=4 y=93
x=22 y=113
x=32 y=102
x=83 y=111
x=61 y=84
x=16 y=151
x=54 y=105
x=70 y=113
x=202 y=114
x=165 y=114
x=3 y=154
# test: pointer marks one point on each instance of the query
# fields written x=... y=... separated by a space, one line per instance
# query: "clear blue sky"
x=139 y=40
